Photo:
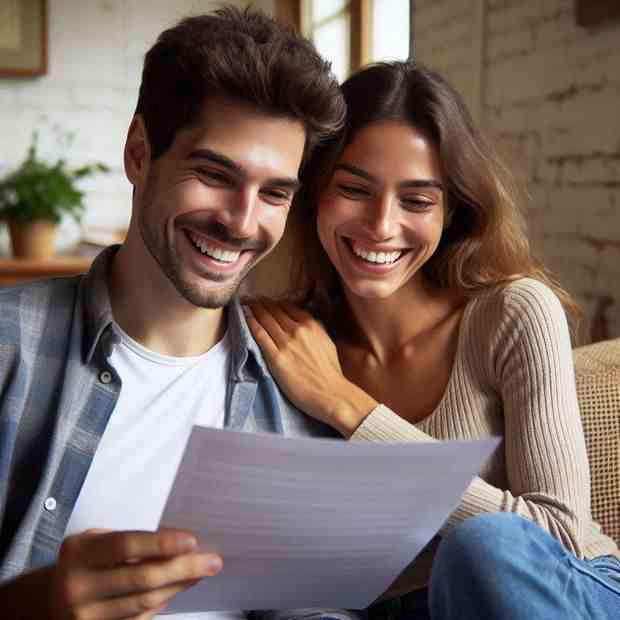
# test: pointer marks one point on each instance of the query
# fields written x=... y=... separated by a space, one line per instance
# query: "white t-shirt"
x=132 y=471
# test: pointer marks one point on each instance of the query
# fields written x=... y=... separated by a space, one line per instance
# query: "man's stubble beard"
x=172 y=267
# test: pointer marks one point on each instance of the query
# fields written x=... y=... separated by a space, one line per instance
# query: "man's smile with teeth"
x=373 y=256
x=223 y=256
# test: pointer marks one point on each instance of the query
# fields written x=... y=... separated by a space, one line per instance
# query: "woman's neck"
x=384 y=327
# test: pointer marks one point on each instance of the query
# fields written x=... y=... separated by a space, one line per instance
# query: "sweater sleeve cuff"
x=382 y=424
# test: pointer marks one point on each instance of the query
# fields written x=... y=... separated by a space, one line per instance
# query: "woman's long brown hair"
x=485 y=244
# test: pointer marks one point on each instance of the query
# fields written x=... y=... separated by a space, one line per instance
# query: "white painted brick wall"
x=96 y=48
x=551 y=102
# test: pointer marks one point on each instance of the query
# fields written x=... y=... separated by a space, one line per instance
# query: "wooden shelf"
x=16 y=270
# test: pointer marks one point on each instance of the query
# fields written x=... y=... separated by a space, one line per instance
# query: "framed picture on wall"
x=23 y=38
x=592 y=13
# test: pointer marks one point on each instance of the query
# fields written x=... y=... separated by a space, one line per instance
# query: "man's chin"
x=211 y=299
x=208 y=290
x=208 y=294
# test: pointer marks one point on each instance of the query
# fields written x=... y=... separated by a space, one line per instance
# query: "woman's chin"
x=378 y=291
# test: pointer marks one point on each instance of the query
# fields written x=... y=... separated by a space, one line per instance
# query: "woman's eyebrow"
x=360 y=172
x=357 y=172
x=421 y=183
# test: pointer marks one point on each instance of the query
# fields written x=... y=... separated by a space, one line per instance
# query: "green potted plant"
x=35 y=197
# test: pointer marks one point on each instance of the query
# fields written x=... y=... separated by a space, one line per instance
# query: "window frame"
x=292 y=12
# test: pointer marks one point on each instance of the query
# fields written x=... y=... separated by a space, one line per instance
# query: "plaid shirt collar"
x=98 y=318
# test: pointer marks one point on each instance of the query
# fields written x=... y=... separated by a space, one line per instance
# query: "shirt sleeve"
x=530 y=363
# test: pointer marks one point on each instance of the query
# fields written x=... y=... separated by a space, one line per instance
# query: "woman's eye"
x=351 y=191
x=416 y=204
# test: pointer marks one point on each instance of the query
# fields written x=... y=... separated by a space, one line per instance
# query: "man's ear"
x=137 y=153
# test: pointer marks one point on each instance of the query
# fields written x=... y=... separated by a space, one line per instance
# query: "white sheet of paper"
x=311 y=522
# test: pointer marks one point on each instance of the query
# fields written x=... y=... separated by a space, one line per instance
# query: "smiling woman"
x=382 y=212
x=422 y=315
x=483 y=241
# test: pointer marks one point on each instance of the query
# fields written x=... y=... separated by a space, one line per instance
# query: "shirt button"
x=105 y=376
x=50 y=504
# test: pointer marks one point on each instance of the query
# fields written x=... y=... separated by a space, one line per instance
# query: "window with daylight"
x=352 y=33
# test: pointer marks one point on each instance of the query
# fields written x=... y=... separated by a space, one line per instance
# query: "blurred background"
x=541 y=78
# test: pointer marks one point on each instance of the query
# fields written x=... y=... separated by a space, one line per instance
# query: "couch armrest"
x=597 y=370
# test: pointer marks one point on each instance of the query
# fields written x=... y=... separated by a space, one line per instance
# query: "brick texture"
x=551 y=102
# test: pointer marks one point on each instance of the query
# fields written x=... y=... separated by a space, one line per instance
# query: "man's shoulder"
x=26 y=306
x=13 y=297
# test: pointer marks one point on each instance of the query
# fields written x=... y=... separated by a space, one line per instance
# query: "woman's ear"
x=137 y=154
x=447 y=217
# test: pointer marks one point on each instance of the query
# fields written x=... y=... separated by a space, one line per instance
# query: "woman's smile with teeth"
x=224 y=256
x=373 y=256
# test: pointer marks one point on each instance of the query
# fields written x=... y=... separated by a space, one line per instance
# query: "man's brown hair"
x=244 y=55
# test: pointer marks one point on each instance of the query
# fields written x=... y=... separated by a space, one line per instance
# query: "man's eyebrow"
x=360 y=172
x=217 y=158
x=284 y=183
x=214 y=157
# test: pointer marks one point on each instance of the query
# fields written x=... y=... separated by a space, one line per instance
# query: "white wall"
x=549 y=94
x=96 y=48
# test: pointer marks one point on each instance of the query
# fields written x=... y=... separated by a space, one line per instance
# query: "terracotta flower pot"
x=33 y=239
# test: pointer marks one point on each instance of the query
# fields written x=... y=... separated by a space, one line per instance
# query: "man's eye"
x=352 y=191
x=213 y=176
x=277 y=197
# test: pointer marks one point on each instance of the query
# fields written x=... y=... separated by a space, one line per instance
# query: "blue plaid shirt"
x=58 y=389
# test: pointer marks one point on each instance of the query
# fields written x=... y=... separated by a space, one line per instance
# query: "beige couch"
x=597 y=369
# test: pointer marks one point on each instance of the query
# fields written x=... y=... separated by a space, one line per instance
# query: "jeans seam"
x=589 y=572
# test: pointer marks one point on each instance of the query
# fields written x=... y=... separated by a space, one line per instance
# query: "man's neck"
x=147 y=307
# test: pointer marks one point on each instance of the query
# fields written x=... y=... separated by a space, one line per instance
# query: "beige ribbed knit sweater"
x=512 y=377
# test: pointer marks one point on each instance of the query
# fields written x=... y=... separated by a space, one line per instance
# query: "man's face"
x=216 y=202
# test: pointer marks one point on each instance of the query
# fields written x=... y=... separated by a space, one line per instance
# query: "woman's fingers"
x=262 y=336
x=264 y=315
x=295 y=312
x=277 y=310
x=287 y=315
x=290 y=317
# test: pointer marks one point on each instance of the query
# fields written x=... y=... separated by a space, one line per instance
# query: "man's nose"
x=241 y=215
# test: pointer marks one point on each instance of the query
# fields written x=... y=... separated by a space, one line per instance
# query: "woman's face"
x=381 y=216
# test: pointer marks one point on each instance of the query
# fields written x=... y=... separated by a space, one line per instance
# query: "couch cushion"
x=597 y=369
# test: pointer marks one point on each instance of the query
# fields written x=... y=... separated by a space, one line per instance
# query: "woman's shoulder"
x=522 y=311
x=523 y=318
x=519 y=300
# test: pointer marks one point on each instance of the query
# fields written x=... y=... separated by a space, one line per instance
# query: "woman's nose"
x=382 y=219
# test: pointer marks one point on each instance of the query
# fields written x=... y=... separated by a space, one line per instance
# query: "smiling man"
x=103 y=376
x=205 y=212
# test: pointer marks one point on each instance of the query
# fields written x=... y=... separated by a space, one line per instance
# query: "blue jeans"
x=503 y=566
